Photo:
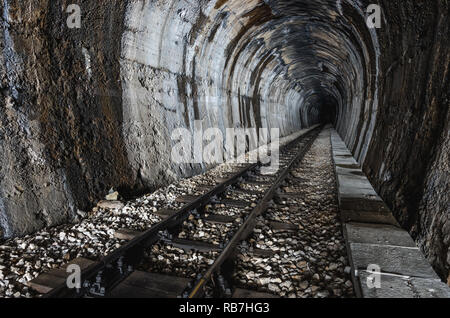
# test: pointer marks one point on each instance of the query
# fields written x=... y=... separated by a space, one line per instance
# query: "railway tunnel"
x=91 y=97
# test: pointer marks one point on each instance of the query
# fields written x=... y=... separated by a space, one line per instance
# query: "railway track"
x=174 y=258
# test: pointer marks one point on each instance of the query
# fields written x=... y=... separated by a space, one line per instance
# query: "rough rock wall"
x=433 y=224
x=87 y=109
x=407 y=160
x=60 y=134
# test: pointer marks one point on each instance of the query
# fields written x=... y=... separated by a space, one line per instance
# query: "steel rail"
x=146 y=238
x=116 y=266
x=249 y=224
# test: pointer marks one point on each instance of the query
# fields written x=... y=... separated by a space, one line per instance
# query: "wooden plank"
x=262 y=178
x=84 y=263
x=224 y=178
x=280 y=226
x=257 y=183
x=245 y=293
x=150 y=285
x=262 y=252
x=188 y=245
x=187 y=198
x=219 y=219
x=204 y=188
x=247 y=192
x=221 y=180
x=46 y=282
x=165 y=213
x=235 y=203
x=126 y=234
x=290 y=195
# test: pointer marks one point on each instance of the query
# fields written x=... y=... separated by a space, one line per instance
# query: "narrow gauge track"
x=116 y=274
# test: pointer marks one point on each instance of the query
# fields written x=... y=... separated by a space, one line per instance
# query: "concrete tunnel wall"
x=88 y=109
x=234 y=64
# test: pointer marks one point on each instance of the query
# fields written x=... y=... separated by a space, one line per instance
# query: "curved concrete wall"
x=91 y=108
x=244 y=64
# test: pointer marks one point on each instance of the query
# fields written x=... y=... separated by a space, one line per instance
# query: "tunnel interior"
x=91 y=108
x=268 y=64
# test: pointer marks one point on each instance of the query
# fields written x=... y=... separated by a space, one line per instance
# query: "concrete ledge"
x=377 y=234
x=374 y=237
x=403 y=287
x=357 y=199
x=399 y=260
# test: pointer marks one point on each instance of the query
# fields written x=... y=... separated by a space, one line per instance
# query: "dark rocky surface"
x=407 y=160
x=84 y=110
